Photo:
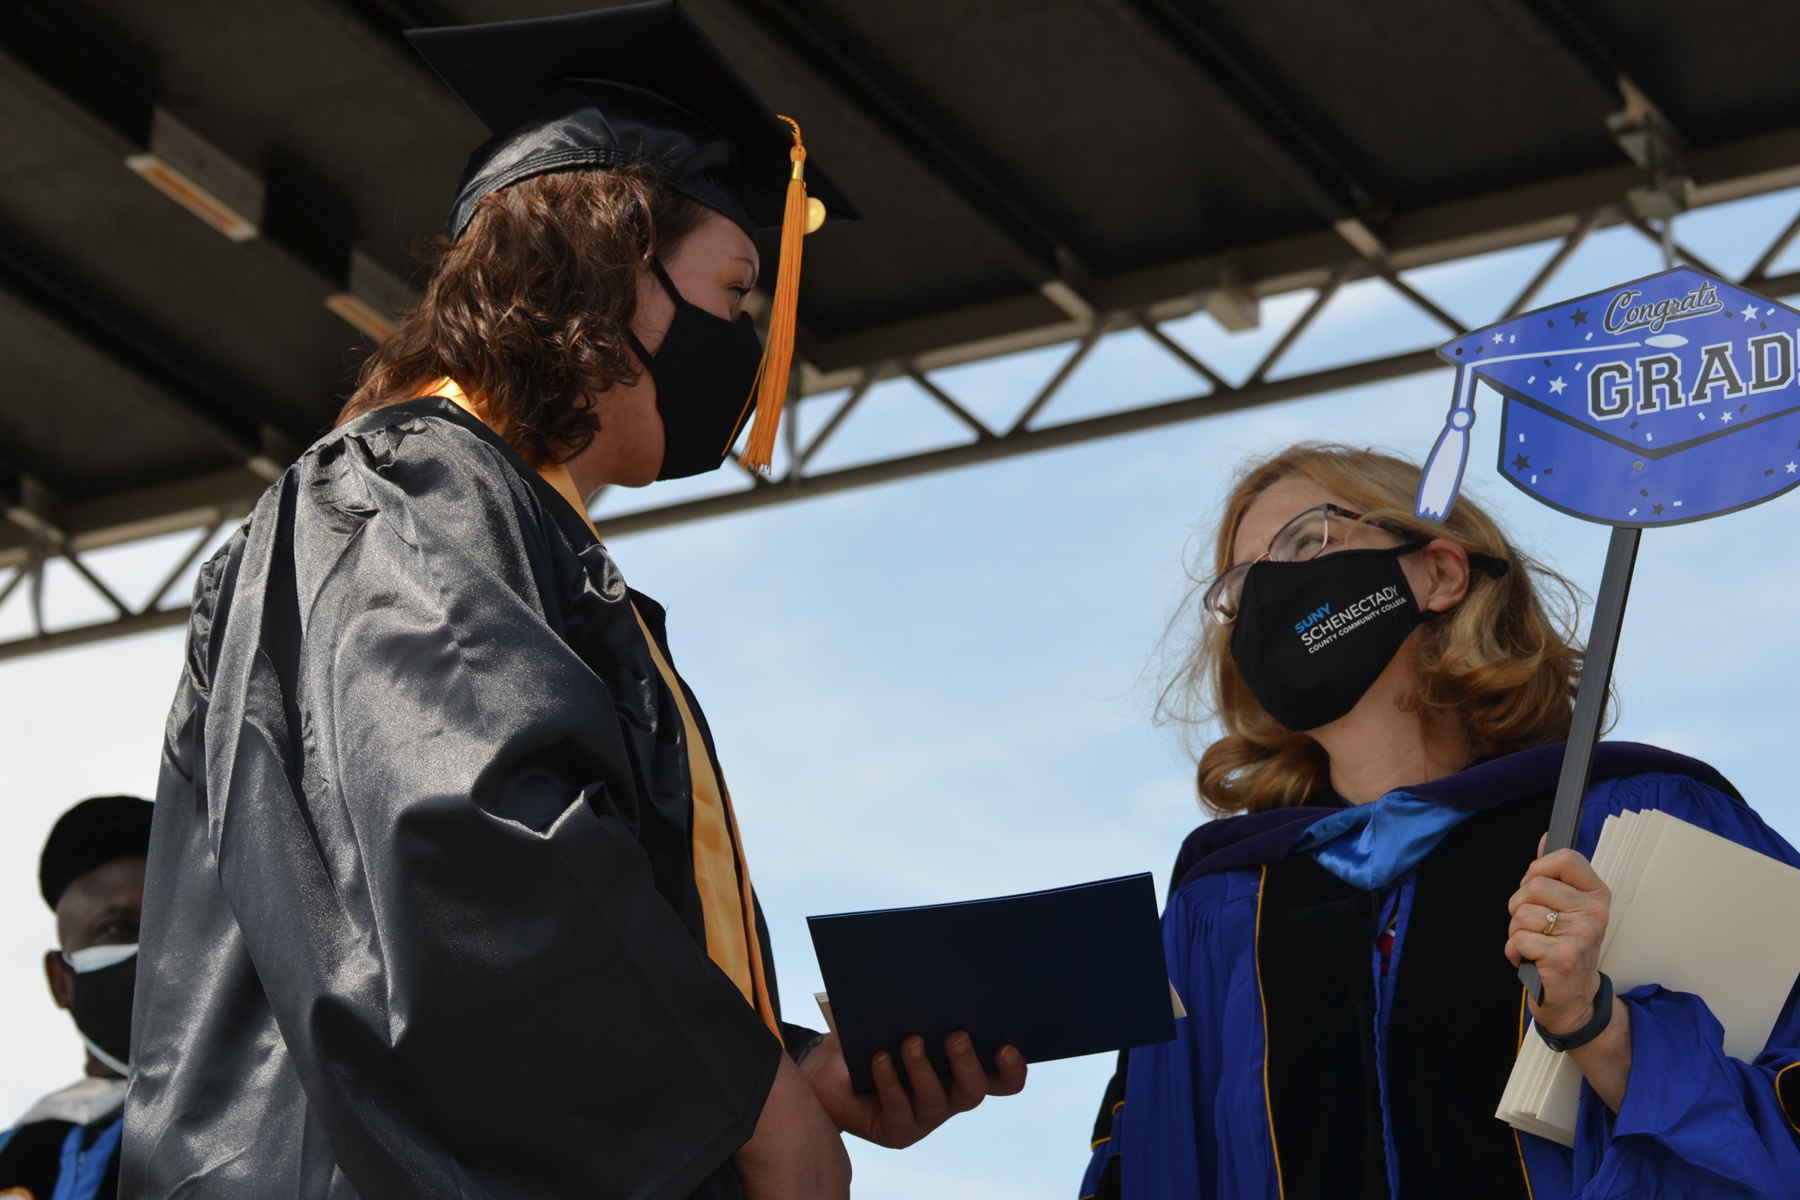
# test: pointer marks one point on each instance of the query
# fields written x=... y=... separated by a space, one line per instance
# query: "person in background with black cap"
x=447 y=896
x=92 y=877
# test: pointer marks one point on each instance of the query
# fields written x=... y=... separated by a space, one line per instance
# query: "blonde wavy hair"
x=1503 y=665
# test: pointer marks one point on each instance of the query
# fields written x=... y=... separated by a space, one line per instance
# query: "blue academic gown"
x=67 y=1146
x=1193 y=1118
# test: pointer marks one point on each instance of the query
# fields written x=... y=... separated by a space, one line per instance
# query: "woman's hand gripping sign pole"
x=1662 y=401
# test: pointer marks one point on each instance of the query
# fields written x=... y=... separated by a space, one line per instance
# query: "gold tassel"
x=770 y=389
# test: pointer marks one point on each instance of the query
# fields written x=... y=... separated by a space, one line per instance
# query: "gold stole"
x=720 y=872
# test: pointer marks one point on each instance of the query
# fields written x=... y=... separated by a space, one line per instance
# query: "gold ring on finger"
x=1550 y=924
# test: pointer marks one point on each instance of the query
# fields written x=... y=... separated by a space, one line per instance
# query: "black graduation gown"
x=420 y=917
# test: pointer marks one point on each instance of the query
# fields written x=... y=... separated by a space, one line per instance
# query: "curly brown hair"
x=529 y=308
x=1502 y=666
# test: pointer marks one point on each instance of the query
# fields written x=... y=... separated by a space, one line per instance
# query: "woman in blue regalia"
x=1394 y=695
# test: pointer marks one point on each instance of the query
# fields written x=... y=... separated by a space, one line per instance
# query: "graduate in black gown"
x=446 y=895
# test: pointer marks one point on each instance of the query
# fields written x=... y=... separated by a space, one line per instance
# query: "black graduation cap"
x=95 y=832
x=638 y=83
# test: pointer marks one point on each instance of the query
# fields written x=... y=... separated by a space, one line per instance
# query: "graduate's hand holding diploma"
x=1567 y=959
x=894 y=1118
x=797 y=1152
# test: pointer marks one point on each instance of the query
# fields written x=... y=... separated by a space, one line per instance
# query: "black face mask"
x=704 y=371
x=1311 y=637
x=102 y=1002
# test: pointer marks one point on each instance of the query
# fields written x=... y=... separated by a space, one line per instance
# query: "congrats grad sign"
x=1666 y=400
x=1634 y=406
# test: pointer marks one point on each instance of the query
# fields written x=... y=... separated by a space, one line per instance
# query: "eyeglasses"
x=1322 y=530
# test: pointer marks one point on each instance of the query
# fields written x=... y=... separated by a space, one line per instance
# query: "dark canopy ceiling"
x=1023 y=164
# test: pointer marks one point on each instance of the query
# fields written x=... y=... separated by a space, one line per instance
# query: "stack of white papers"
x=1691 y=911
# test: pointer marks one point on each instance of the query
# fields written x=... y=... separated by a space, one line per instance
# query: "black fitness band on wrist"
x=1596 y=1025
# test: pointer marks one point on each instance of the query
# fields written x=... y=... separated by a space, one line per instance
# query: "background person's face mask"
x=704 y=371
x=104 y=979
x=1312 y=637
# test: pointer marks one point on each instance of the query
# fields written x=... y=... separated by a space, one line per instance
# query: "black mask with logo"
x=1311 y=637
x=704 y=371
x=101 y=1003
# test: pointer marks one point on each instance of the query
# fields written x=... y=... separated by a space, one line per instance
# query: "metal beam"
x=1027 y=441
x=228 y=494
x=1681 y=253
x=147 y=512
x=1048 y=392
x=832 y=425
x=29 y=507
x=1775 y=250
x=1567 y=209
x=1300 y=326
x=1537 y=212
x=1181 y=352
x=123 y=627
x=1564 y=252
x=1780 y=285
x=1020 y=439
x=982 y=432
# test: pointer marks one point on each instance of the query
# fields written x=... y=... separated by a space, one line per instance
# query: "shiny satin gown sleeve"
x=417 y=922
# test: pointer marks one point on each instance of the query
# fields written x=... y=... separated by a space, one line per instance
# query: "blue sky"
x=935 y=690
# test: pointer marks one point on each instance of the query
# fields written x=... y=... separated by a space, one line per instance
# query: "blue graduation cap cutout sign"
x=1661 y=401
x=1666 y=400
